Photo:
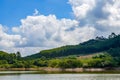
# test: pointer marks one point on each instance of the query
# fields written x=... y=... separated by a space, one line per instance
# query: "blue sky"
x=56 y=23
x=11 y=11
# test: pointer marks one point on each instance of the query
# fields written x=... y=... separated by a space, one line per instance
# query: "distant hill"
x=100 y=44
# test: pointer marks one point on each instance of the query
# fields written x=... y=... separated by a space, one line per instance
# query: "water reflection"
x=61 y=77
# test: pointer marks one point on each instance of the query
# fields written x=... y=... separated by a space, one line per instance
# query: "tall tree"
x=18 y=55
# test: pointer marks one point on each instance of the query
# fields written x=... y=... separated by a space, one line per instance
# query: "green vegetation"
x=105 y=52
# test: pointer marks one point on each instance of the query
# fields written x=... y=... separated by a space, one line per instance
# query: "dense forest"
x=105 y=52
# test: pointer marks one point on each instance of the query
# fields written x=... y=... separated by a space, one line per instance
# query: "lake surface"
x=23 y=75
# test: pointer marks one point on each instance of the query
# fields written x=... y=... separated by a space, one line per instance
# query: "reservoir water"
x=23 y=75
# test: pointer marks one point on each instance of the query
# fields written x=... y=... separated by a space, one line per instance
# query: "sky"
x=14 y=10
x=30 y=26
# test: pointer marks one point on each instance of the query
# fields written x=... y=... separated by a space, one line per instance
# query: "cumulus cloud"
x=82 y=7
x=103 y=15
x=48 y=31
x=7 y=40
x=113 y=18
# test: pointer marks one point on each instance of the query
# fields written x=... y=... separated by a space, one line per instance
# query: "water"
x=29 y=76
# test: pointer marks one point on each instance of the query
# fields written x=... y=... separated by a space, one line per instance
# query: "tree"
x=112 y=35
x=18 y=55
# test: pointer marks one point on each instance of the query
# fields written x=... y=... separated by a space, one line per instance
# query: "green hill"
x=96 y=53
x=100 y=44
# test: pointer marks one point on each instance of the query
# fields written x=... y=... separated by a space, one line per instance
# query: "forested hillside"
x=100 y=44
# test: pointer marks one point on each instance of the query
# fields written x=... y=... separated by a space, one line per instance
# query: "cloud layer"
x=36 y=32
x=103 y=15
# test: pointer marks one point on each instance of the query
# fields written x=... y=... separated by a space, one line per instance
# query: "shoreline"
x=66 y=70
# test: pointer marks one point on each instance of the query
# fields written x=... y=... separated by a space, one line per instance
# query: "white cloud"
x=36 y=12
x=113 y=17
x=48 y=31
x=112 y=21
x=82 y=7
x=104 y=15
x=7 y=40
